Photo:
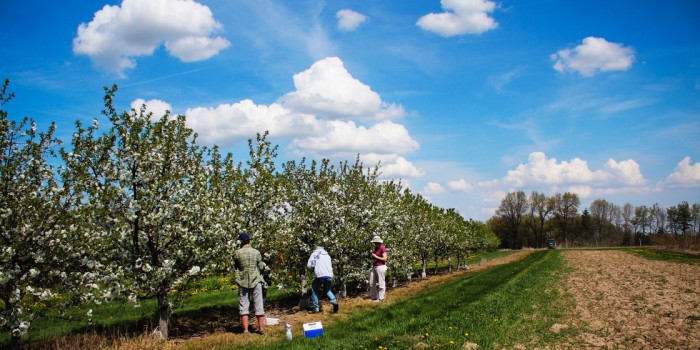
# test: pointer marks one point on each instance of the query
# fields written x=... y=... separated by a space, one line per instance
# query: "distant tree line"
x=523 y=220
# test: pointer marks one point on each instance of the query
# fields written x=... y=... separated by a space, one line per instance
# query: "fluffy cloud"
x=460 y=17
x=230 y=123
x=349 y=20
x=393 y=166
x=540 y=170
x=341 y=136
x=460 y=185
x=157 y=107
x=433 y=188
x=543 y=171
x=310 y=133
x=626 y=173
x=401 y=168
x=594 y=55
x=227 y=124
x=685 y=175
x=328 y=90
x=118 y=34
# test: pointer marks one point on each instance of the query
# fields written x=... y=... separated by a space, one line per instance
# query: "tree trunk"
x=343 y=292
x=163 y=315
x=425 y=265
x=304 y=301
x=14 y=343
x=449 y=264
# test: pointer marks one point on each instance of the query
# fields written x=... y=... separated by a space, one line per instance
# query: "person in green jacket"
x=249 y=266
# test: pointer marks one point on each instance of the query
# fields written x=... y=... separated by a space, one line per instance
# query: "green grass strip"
x=665 y=255
x=506 y=305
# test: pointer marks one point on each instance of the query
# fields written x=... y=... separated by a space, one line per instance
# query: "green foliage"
x=145 y=189
x=41 y=249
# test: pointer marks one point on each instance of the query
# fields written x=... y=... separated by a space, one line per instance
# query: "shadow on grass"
x=214 y=313
x=184 y=324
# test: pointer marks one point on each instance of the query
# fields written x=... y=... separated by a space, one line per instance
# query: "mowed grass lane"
x=504 y=306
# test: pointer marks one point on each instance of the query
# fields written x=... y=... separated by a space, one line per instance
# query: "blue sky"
x=464 y=100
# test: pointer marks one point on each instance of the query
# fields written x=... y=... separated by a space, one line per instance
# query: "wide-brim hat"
x=377 y=239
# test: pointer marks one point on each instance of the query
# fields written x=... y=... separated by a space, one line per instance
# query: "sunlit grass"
x=510 y=304
x=665 y=255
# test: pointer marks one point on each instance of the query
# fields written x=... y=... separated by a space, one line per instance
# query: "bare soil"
x=626 y=302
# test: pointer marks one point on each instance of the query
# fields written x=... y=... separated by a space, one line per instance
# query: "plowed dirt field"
x=627 y=302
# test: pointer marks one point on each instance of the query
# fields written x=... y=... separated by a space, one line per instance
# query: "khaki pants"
x=244 y=300
x=377 y=285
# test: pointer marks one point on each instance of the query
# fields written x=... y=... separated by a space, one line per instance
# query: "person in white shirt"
x=320 y=263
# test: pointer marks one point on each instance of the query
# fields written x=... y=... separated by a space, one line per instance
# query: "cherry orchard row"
x=140 y=209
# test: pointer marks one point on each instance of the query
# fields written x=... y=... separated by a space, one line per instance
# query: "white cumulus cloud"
x=433 y=188
x=346 y=136
x=118 y=34
x=327 y=89
x=155 y=106
x=541 y=170
x=400 y=167
x=309 y=134
x=626 y=173
x=460 y=185
x=594 y=55
x=349 y=20
x=460 y=17
x=686 y=175
x=393 y=166
x=227 y=124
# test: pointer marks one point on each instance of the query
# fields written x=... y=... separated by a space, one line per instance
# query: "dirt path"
x=627 y=302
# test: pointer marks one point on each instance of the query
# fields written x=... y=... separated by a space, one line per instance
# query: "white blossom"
x=194 y=270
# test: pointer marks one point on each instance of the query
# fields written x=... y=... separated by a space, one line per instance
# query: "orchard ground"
x=624 y=301
x=615 y=300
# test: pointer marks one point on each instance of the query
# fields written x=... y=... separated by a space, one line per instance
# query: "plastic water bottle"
x=289 y=331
